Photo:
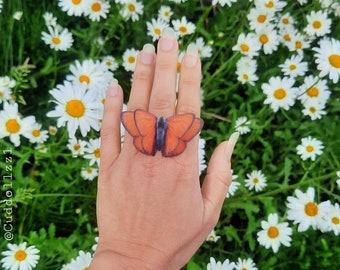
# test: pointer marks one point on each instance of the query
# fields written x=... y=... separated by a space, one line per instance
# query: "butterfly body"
x=168 y=135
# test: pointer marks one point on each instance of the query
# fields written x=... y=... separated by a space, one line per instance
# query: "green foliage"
x=53 y=208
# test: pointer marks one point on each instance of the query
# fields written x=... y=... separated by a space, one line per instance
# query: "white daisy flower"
x=305 y=212
x=201 y=156
x=242 y=125
x=280 y=93
x=37 y=135
x=271 y=5
x=286 y=21
x=76 y=146
x=59 y=39
x=273 y=233
x=94 y=247
x=232 y=188
x=52 y=130
x=314 y=89
x=268 y=38
x=12 y=125
x=132 y=9
x=318 y=23
x=95 y=75
x=243 y=264
x=129 y=59
x=298 y=42
x=204 y=51
x=309 y=148
x=89 y=173
x=110 y=62
x=223 y=2
x=257 y=180
x=50 y=20
x=20 y=257
x=183 y=26
x=155 y=28
x=259 y=17
x=226 y=265
x=212 y=237
x=81 y=262
x=286 y=35
x=7 y=82
x=165 y=13
x=294 y=66
x=73 y=7
x=332 y=220
x=76 y=107
x=5 y=94
x=92 y=151
x=97 y=9
x=17 y=15
x=314 y=109
x=246 y=70
x=247 y=44
x=328 y=58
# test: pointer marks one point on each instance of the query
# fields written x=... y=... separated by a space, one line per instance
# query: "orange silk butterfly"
x=168 y=135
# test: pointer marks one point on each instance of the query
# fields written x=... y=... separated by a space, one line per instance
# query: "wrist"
x=142 y=259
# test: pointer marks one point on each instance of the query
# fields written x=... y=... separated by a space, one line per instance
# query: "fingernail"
x=147 y=55
x=191 y=55
x=113 y=88
x=231 y=144
x=168 y=39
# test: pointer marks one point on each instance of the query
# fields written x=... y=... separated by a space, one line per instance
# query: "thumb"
x=218 y=180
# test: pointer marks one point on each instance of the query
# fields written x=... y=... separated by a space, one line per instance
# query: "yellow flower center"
x=264 y=39
x=280 y=93
x=285 y=21
x=312 y=109
x=309 y=148
x=287 y=37
x=12 y=126
x=56 y=40
x=244 y=48
x=298 y=44
x=132 y=7
x=269 y=4
x=36 y=133
x=313 y=92
x=84 y=78
x=335 y=220
x=89 y=170
x=311 y=209
x=255 y=180
x=76 y=2
x=20 y=255
x=96 y=153
x=96 y=7
x=75 y=108
x=273 y=232
x=261 y=18
x=316 y=24
x=76 y=147
x=245 y=77
x=183 y=29
x=334 y=60
x=292 y=67
x=157 y=31
x=131 y=59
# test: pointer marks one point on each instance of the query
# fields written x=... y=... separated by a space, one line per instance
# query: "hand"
x=151 y=211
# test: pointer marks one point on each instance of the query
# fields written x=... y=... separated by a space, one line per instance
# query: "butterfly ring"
x=168 y=135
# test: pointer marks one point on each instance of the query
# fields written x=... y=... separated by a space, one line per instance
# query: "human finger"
x=110 y=130
x=142 y=79
x=163 y=94
x=218 y=179
x=189 y=83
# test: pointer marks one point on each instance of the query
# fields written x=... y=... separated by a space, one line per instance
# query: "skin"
x=152 y=212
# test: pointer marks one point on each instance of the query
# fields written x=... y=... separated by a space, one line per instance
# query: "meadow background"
x=53 y=199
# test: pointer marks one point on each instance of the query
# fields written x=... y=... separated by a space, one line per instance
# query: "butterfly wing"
x=141 y=126
x=181 y=129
